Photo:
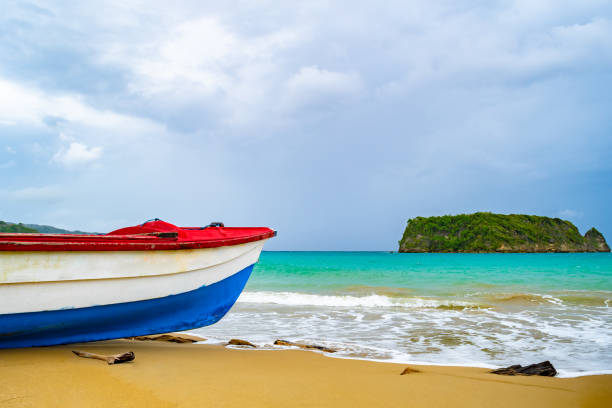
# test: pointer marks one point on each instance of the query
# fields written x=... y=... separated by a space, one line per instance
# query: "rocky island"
x=488 y=232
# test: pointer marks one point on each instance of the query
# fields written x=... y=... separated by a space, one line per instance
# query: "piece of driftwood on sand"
x=409 y=370
x=114 y=359
x=545 y=368
x=304 y=346
x=239 y=342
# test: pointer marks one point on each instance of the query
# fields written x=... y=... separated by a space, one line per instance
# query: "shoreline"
x=183 y=375
x=460 y=309
x=560 y=372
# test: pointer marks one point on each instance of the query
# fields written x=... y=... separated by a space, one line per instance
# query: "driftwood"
x=304 y=346
x=545 y=368
x=238 y=342
x=409 y=370
x=114 y=359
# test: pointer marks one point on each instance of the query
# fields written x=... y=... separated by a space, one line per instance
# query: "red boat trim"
x=133 y=242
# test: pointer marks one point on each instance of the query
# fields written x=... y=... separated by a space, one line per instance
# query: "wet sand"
x=192 y=375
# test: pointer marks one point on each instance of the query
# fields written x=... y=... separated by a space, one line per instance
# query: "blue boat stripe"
x=197 y=308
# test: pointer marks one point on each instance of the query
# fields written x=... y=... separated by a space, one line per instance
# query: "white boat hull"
x=64 y=297
x=44 y=281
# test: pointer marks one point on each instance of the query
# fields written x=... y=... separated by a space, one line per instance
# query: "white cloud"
x=21 y=104
x=194 y=53
x=65 y=137
x=45 y=193
x=77 y=153
x=10 y=150
x=202 y=61
x=99 y=130
x=466 y=50
x=201 y=53
x=298 y=57
x=314 y=85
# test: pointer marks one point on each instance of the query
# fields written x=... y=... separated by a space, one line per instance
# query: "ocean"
x=487 y=310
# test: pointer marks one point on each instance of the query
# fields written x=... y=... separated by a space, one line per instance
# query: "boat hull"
x=49 y=298
x=196 y=308
x=69 y=280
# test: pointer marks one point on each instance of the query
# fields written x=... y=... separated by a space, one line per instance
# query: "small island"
x=483 y=232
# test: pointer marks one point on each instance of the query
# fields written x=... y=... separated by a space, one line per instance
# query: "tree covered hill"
x=34 y=228
x=488 y=232
x=10 y=227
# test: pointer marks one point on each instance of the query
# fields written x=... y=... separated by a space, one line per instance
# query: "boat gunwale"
x=26 y=242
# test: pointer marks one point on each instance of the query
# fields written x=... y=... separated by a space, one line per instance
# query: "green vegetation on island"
x=35 y=228
x=488 y=232
x=10 y=227
x=47 y=229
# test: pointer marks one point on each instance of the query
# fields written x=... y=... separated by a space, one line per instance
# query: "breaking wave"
x=523 y=298
x=369 y=301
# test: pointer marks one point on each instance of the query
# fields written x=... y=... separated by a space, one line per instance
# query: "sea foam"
x=307 y=299
x=489 y=310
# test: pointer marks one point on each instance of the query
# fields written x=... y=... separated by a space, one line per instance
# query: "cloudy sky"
x=332 y=122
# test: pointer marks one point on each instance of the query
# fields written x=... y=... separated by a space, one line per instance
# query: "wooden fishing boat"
x=146 y=279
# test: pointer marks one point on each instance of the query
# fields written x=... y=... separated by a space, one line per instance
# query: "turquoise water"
x=472 y=309
x=431 y=274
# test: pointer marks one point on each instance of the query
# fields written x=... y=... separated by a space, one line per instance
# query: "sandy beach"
x=189 y=375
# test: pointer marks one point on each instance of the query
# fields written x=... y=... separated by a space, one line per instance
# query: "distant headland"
x=487 y=232
x=34 y=228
